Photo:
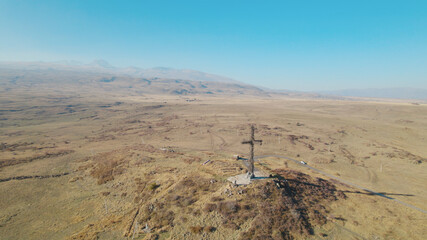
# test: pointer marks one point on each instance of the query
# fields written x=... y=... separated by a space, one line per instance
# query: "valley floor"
x=117 y=167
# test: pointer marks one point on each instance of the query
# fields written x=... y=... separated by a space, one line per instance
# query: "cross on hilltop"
x=251 y=158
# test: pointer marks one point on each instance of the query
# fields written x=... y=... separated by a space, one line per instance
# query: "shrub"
x=209 y=207
x=209 y=229
x=216 y=199
x=227 y=208
x=153 y=186
x=231 y=225
x=196 y=229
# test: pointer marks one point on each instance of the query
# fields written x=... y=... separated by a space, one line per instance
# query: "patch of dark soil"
x=15 y=146
x=107 y=80
x=293 y=138
x=153 y=107
x=33 y=177
x=11 y=162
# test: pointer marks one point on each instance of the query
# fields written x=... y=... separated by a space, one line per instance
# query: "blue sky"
x=297 y=45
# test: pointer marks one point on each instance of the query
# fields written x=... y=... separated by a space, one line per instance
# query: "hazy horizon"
x=100 y=66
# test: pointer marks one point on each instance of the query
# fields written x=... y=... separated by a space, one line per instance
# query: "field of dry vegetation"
x=131 y=167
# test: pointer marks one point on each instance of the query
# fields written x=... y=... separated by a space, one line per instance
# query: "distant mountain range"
x=395 y=93
x=102 y=66
x=100 y=75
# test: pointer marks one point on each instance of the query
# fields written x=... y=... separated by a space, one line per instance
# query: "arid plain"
x=116 y=166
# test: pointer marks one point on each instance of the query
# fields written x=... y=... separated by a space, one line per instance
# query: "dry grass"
x=118 y=150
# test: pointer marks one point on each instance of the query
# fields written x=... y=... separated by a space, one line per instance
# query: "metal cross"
x=252 y=142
